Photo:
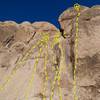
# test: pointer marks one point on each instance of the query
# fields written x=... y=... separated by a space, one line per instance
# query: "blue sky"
x=37 y=10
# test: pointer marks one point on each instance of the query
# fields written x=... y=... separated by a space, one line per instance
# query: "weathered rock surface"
x=88 y=68
x=20 y=46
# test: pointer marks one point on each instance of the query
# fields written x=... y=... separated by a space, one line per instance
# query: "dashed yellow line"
x=57 y=74
x=32 y=77
x=46 y=74
x=57 y=77
x=46 y=39
x=21 y=62
x=24 y=59
x=55 y=40
x=59 y=81
x=77 y=8
x=53 y=86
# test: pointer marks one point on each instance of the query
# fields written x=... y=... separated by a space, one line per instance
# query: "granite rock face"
x=30 y=54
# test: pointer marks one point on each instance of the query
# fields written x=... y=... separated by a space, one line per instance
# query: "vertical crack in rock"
x=88 y=69
x=62 y=33
x=31 y=37
x=57 y=52
x=72 y=43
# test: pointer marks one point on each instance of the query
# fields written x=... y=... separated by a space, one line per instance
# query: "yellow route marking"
x=59 y=86
x=24 y=59
x=59 y=80
x=34 y=70
x=53 y=86
x=55 y=40
x=57 y=77
x=15 y=89
x=57 y=73
x=38 y=43
x=8 y=78
x=77 y=8
x=46 y=74
x=32 y=77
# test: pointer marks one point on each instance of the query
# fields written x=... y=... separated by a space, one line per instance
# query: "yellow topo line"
x=46 y=75
x=59 y=85
x=77 y=8
x=53 y=86
x=24 y=59
x=32 y=77
x=21 y=62
x=59 y=80
x=34 y=70
x=57 y=77
x=55 y=40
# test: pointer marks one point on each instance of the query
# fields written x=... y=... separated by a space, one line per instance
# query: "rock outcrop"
x=31 y=55
x=88 y=70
